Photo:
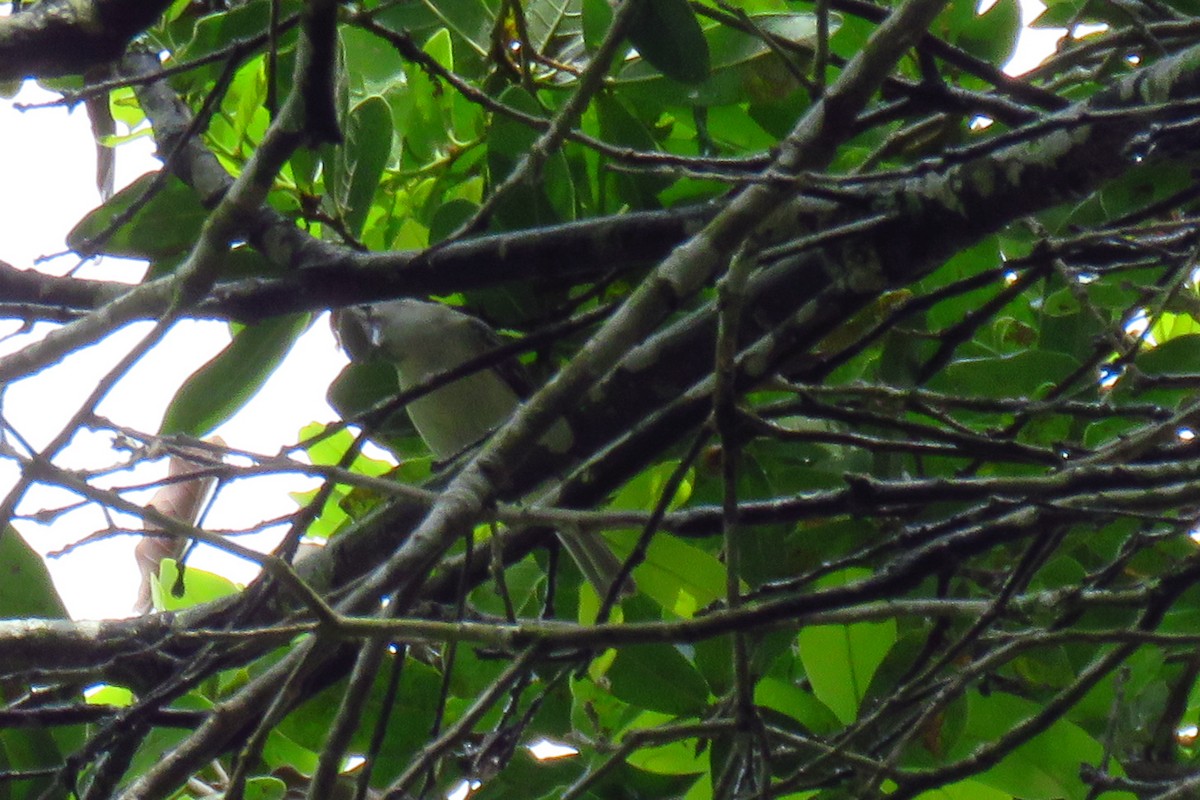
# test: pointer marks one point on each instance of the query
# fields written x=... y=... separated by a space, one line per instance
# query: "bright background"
x=47 y=168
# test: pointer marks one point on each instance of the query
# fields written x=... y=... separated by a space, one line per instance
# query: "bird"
x=422 y=339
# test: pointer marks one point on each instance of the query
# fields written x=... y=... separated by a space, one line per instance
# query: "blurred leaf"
x=1044 y=768
x=667 y=35
x=685 y=757
x=280 y=752
x=361 y=160
x=802 y=706
x=1017 y=375
x=619 y=126
x=643 y=492
x=110 y=696
x=597 y=17
x=32 y=750
x=26 y=590
x=308 y=726
x=263 y=787
x=220 y=388
x=1179 y=355
x=553 y=21
x=992 y=35
x=965 y=790
x=531 y=203
x=472 y=20
x=199 y=587
x=213 y=32
x=1132 y=190
x=733 y=62
x=1171 y=326
x=449 y=217
x=657 y=677
x=372 y=64
x=166 y=225
x=678 y=575
x=840 y=660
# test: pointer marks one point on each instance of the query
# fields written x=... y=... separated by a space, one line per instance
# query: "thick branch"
x=66 y=37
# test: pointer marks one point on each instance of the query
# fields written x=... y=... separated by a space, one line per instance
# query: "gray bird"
x=425 y=339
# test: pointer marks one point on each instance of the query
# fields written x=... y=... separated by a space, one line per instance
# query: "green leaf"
x=362 y=159
x=620 y=126
x=27 y=749
x=416 y=705
x=161 y=741
x=1171 y=326
x=419 y=111
x=526 y=777
x=965 y=790
x=553 y=24
x=597 y=16
x=643 y=491
x=26 y=590
x=788 y=698
x=449 y=217
x=264 y=787
x=216 y=391
x=1017 y=375
x=684 y=757
x=1044 y=768
x=168 y=224
x=106 y=695
x=667 y=35
x=992 y=35
x=199 y=587
x=213 y=33
x=676 y=574
x=658 y=677
x=372 y=65
x=736 y=58
x=470 y=19
x=1180 y=355
x=531 y=203
x=1058 y=14
x=245 y=116
x=840 y=660
x=281 y=752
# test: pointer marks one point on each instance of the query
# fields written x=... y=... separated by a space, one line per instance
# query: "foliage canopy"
x=880 y=363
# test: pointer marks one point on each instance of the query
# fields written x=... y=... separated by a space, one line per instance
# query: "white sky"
x=46 y=171
x=47 y=165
